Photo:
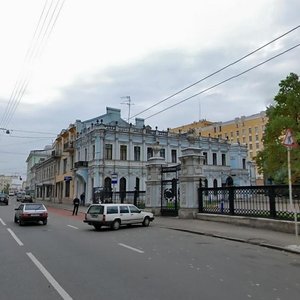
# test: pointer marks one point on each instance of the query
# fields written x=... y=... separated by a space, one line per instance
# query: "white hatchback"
x=115 y=215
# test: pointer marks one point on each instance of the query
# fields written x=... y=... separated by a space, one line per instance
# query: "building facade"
x=109 y=154
x=112 y=155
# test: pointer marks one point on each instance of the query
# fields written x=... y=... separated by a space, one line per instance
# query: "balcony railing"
x=56 y=154
x=69 y=147
x=81 y=164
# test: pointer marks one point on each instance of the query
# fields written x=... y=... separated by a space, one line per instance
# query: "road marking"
x=2 y=222
x=49 y=277
x=73 y=226
x=15 y=237
x=131 y=248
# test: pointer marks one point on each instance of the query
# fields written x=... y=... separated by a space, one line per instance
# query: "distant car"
x=11 y=193
x=4 y=198
x=31 y=212
x=116 y=215
x=27 y=199
x=20 y=196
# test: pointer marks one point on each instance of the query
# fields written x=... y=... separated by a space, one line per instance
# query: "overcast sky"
x=100 y=51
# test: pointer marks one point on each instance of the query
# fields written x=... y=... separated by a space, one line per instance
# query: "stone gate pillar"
x=153 y=184
x=189 y=179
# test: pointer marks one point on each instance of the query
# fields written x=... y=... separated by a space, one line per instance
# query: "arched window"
x=107 y=188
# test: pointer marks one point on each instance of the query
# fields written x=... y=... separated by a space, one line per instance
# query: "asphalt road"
x=68 y=259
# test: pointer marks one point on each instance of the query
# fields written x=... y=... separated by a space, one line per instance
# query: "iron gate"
x=169 y=191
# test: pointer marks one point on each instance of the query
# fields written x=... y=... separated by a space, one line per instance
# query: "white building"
x=112 y=154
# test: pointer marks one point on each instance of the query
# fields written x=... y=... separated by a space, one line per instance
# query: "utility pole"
x=128 y=102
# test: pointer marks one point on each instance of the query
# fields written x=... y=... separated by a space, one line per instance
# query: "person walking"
x=76 y=202
x=82 y=199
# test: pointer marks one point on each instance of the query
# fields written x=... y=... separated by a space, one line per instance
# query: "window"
x=256 y=129
x=137 y=153
x=205 y=158
x=94 y=152
x=250 y=138
x=65 y=161
x=112 y=210
x=244 y=163
x=123 y=152
x=149 y=152
x=85 y=154
x=174 y=156
x=237 y=133
x=163 y=153
x=134 y=209
x=108 y=151
x=223 y=159
x=214 y=156
x=250 y=146
x=124 y=210
x=256 y=138
x=250 y=130
x=257 y=145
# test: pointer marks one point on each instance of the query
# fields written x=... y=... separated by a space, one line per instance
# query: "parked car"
x=4 y=198
x=116 y=215
x=31 y=212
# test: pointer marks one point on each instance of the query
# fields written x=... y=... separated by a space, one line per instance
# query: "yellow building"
x=64 y=156
x=244 y=130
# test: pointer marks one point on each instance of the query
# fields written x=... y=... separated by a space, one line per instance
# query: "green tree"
x=283 y=114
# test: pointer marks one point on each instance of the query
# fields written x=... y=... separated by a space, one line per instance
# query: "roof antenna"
x=127 y=102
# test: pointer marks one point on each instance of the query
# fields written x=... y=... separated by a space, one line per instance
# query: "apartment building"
x=244 y=130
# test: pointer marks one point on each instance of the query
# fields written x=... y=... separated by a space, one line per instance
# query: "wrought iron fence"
x=270 y=201
x=137 y=198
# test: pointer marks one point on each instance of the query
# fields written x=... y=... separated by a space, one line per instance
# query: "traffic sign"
x=289 y=139
x=114 y=178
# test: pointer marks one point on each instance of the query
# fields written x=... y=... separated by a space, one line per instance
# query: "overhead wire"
x=38 y=43
x=217 y=71
x=222 y=82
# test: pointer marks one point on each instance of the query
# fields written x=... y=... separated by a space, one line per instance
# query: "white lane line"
x=131 y=248
x=2 y=222
x=15 y=237
x=73 y=226
x=49 y=277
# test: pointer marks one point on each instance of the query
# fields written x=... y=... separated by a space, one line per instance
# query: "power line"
x=39 y=40
x=224 y=81
x=219 y=70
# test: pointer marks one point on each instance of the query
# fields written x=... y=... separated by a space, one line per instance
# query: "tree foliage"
x=283 y=114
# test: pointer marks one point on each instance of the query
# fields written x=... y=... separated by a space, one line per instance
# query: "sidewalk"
x=256 y=236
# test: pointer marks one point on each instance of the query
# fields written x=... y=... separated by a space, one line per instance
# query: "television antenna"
x=127 y=102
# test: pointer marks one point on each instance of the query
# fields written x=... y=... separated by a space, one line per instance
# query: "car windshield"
x=96 y=209
x=34 y=207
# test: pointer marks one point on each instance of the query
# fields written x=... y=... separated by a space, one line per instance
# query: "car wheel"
x=97 y=227
x=16 y=220
x=146 y=222
x=45 y=222
x=116 y=225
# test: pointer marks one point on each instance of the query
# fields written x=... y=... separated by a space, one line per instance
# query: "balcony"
x=69 y=147
x=56 y=154
x=81 y=164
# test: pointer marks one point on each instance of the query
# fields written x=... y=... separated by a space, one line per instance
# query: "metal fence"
x=270 y=201
x=137 y=198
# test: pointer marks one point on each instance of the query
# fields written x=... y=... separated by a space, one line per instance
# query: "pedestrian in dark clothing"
x=76 y=202
x=82 y=199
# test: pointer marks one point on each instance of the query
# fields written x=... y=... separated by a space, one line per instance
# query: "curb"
x=270 y=246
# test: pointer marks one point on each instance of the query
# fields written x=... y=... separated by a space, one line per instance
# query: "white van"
x=116 y=215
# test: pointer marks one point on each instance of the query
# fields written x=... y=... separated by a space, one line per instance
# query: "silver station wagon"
x=116 y=215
